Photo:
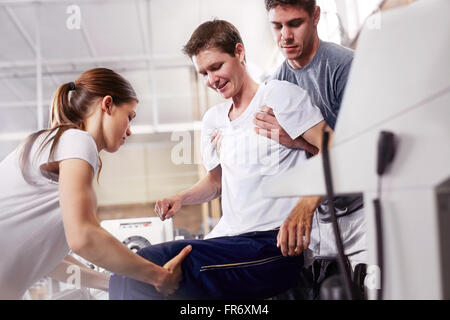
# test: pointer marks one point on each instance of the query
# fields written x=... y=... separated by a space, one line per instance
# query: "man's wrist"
x=296 y=143
x=181 y=197
x=311 y=202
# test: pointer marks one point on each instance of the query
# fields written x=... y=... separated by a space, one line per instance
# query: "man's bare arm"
x=207 y=189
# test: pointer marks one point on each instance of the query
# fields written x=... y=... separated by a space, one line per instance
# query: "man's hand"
x=170 y=281
x=166 y=208
x=296 y=226
x=267 y=122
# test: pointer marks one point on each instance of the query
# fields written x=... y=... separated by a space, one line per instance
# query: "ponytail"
x=70 y=106
x=62 y=112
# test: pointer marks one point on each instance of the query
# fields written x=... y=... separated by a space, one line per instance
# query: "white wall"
x=142 y=173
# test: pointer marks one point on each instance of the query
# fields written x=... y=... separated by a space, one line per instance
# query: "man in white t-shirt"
x=239 y=258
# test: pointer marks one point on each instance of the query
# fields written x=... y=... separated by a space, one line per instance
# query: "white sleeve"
x=77 y=144
x=209 y=154
x=292 y=107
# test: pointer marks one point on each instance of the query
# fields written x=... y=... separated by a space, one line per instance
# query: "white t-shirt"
x=32 y=239
x=247 y=158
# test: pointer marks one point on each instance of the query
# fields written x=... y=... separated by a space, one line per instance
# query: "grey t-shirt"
x=325 y=78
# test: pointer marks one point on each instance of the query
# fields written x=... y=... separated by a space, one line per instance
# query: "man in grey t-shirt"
x=324 y=77
x=322 y=69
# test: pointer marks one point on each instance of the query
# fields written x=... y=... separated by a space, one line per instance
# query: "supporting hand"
x=170 y=281
x=297 y=226
x=267 y=123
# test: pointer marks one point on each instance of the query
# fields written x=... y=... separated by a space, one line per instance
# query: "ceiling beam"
x=87 y=38
x=77 y=70
x=57 y=2
x=159 y=62
x=146 y=35
x=21 y=29
x=26 y=36
x=13 y=89
x=39 y=67
x=145 y=97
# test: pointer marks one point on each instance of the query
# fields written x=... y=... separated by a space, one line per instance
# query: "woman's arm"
x=88 y=278
x=89 y=240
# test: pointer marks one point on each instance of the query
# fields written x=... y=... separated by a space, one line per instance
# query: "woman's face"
x=116 y=127
x=221 y=72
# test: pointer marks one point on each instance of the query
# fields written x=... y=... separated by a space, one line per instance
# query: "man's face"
x=293 y=30
x=220 y=71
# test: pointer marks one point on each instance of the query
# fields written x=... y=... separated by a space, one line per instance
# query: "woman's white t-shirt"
x=32 y=239
x=247 y=159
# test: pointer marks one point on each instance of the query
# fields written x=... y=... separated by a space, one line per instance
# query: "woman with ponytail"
x=47 y=199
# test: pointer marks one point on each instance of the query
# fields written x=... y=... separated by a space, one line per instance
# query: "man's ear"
x=316 y=16
x=106 y=104
x=240 y=51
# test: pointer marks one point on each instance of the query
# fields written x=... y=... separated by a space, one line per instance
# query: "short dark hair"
x=307 y=5
x=213 y=34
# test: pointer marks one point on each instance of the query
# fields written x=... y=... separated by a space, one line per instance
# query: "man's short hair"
x=307 y=5
x=218 y=34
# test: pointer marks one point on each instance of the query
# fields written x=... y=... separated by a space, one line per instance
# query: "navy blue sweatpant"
x=247 y=266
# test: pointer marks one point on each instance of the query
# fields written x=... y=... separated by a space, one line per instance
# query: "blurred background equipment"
x=138 y=233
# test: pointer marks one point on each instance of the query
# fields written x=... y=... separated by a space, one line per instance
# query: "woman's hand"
x=169 y=282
